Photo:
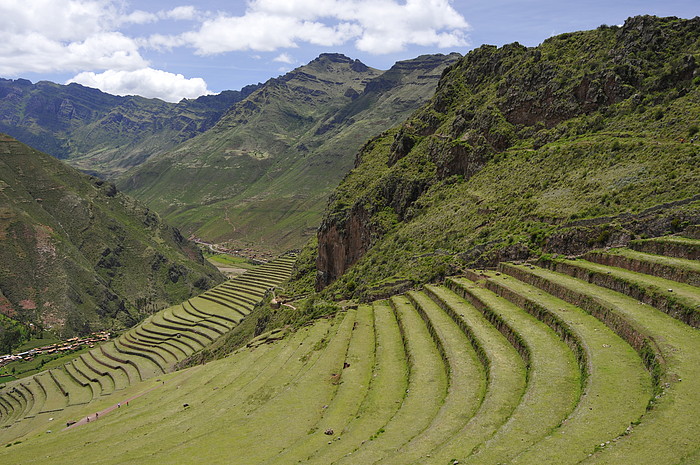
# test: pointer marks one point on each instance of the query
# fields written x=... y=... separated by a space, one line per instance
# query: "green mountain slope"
x=586 y=140
x=263 y=173
x=101 y=133
x=76 y=255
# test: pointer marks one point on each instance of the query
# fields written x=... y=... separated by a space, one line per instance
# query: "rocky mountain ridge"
x=101 y=133
x=487 y=166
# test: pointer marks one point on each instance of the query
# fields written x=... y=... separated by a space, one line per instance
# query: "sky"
x=172 y=50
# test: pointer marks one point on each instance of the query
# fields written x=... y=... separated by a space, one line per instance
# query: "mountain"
x=101 y=133
x=588 y=140
x=262 y=174
x=76 y=255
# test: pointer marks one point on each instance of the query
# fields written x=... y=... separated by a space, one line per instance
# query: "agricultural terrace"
x=594 y=360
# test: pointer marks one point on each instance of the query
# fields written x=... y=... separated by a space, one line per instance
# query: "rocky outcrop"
x=342 y=246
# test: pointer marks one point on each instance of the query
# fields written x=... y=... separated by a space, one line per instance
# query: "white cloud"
x=181 y=13
x=376 y=26
x=66 y=35
x=147 y=82
x=284 y=58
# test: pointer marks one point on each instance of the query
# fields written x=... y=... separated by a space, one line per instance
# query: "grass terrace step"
x=507 y=377
x=18 y=400
x=205 y=307
x=426 y=391
x=78 y=391
x=233 y=301
x=554 y=379
x=466 y=383
x=38 y=394
x=193 y=337
x=186 y=311
x=386 y=391
x=676 y=269
x=123 y=345
x=668 y=432
x=672 y=246
x=617 y=387
x=143 y=337
x=353 y=384
x=104 y=377
x=119 y=373
x=228 y=388
x=29 y=397
x=302 y=398
x=226 y=385
x=207 y=330
x=139 y=368
x=56 y=396
x=214 y=305
x=103 y=385
x=14 y=406
x=232 y=296
x=682 y=301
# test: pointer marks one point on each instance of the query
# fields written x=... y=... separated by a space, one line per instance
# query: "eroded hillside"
x=76 y=255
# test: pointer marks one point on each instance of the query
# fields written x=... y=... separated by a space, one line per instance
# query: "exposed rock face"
x=342 y=246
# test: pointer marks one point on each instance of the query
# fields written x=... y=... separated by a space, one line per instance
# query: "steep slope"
x=76 y=255
x=101 y=133
x=263 y=173
x=587 y=140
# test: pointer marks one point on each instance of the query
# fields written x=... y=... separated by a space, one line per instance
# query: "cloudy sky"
x=172 y=50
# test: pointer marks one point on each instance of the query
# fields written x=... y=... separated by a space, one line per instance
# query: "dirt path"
x=102 y=413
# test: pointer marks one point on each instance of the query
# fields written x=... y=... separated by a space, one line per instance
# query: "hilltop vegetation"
x=77 y=255
x=587 y=140
x=262 y=174
x=100 y=133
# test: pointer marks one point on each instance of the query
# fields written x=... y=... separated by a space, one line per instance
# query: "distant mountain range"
x=100 y=133
x=262 y=174
x=253 y=167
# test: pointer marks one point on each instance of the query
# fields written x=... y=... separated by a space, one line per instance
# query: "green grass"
x=466 y=385
x=554 y=380
x=616 y=389
x=425 y=392
x=676 y=269
x=353 y=384
x=231 y=261
x=671 y=426
x=386 y=390
x=506 y=377
x=686 y=295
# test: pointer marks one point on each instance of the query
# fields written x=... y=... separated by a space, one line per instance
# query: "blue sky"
x=171 y=50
